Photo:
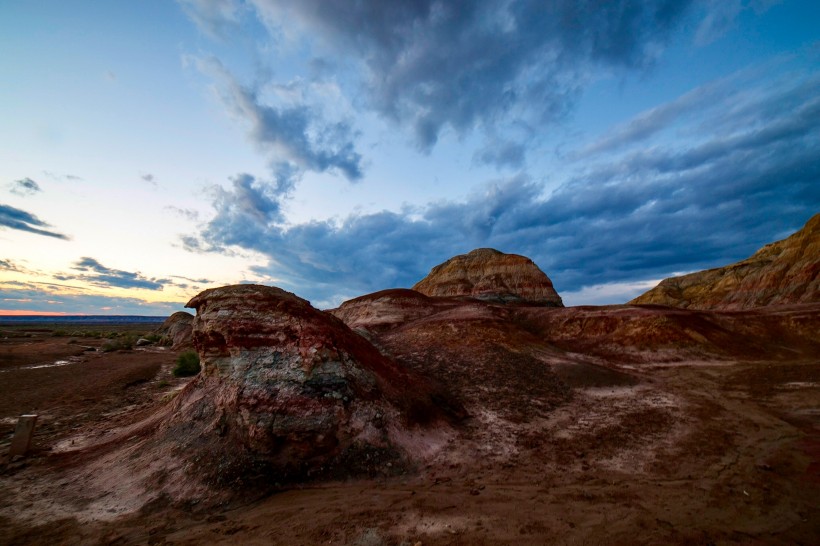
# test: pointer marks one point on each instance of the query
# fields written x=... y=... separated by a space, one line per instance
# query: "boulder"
x=491 y=275
x=177 y=330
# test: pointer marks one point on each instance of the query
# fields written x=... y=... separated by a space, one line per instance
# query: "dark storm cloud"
x=250 y=201
x=25 y=186
x=295 y=135
x=432 y=66
x=15 y=218
x=95 y=273
x=435 y=65
x=736 y=182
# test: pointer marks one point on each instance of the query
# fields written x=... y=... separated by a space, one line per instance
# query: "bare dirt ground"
x=690 y=452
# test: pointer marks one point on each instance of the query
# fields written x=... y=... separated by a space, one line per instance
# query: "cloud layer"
x=55 y=298
x=19 y=219
x=93 y=272
x=437 y=65
x=745 y=172
x=25 y=186
x=294 y=133
x=431 y=67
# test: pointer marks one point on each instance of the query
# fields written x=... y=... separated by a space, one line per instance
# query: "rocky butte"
x=490 y=275
x=287 y=392
x=784 y=272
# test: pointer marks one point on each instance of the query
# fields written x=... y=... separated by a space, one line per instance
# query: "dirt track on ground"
x=692 y=452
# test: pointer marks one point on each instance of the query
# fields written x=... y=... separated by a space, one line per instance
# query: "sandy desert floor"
x=694 y=452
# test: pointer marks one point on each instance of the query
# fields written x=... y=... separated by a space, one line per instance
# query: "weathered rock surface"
x=388 y=309
x=178 y=330
x=637 y=334
x=490 y=275
x=287 y=391
x=784 y=272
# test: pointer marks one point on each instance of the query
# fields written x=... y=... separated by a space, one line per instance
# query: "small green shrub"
x=187 y=364
x=124 y=342
x=111 y=345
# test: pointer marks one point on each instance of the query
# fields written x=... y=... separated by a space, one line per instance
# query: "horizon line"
x=29 y=313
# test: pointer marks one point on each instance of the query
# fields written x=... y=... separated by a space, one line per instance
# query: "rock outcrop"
x=785 y=272
x=287 y=392
x=177 y=330
x=491 y=275
x=388 y=309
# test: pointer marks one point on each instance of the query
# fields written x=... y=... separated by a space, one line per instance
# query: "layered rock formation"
x=177 y=330
x=784 y=272
x=490 y=275
x=388 y=309
x=287 y=391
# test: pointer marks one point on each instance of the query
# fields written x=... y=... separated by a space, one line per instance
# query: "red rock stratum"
x=287 y=392
x=490 y=275
x=784 y=272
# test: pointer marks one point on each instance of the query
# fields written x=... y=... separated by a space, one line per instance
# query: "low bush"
x=124 y=342
x=187 y=364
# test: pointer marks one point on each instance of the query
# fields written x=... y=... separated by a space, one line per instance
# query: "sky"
x=151 y=150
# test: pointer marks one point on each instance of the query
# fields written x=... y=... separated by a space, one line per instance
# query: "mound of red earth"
x=177 y=330
x=387 y=309
x=490 y=275
x=649 y=333
x=522 y=361
x=784 y=272
x=288 y=392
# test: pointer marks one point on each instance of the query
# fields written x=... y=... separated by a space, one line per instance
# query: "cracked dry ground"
x=692 y=452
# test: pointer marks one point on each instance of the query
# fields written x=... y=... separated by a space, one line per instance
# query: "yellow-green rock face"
x=781 y=273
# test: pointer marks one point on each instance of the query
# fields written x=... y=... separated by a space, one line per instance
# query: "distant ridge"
x=780 y=273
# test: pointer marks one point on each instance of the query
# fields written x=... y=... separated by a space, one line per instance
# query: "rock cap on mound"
x=287 y=391
x=488 y=274
x=178 y=329
x=387 y=309
x=780 y=273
